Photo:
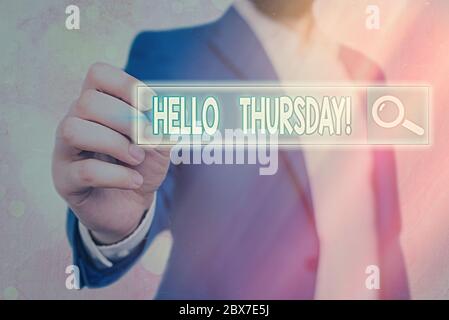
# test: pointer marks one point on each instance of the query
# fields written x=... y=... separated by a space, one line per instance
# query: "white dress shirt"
x=339 y=179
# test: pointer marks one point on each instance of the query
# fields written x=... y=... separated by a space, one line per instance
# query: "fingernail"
x=137 y=180
x=137 y=153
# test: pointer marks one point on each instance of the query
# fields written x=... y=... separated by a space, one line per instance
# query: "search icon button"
x=380 y=104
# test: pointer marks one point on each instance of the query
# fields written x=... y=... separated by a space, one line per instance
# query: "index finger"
x=117 y=83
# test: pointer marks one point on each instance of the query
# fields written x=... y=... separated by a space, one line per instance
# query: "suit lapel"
x=236 y=46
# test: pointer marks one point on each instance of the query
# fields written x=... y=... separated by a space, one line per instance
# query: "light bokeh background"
x=42 y=66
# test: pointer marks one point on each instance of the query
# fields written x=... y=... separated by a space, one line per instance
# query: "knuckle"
x=86 y=101
x=68 y=131
x=95 y=70
x=85 y=172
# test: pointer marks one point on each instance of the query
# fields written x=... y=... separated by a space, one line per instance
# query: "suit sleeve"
x=94 y=277
x=90 y=274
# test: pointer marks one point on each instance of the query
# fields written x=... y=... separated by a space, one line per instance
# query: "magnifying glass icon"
x=400 y=118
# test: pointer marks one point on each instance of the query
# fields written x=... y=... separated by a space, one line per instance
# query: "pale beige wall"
x=41 y=69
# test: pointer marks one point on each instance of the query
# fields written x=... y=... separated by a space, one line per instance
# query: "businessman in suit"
x=236 y=234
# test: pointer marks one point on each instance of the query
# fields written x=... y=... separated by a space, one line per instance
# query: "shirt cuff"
x=104 y=256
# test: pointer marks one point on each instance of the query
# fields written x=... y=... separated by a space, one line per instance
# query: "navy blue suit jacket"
x=237 y=234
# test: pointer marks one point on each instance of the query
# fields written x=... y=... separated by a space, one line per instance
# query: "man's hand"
x=108 y=181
